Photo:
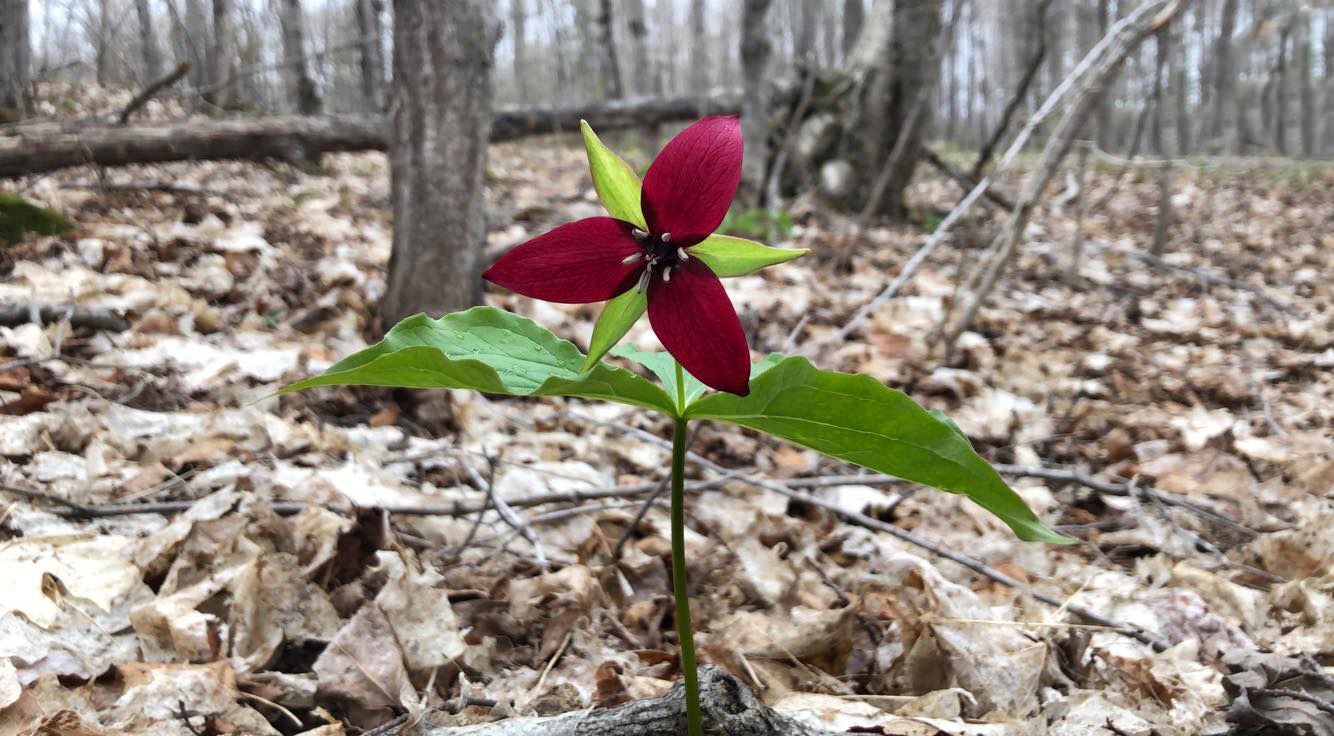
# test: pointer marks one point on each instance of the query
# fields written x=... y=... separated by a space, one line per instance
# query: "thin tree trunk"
x=1306 y=89
x=1155 y=102
x=1329 y=83
x=440 y=123
x=638 y=24
x=854 y=15
x=101 y=43
x=1279 y=95
x=1220 y=133
x=220 y=55
x=300 y=86
x=755 y=52
x=611 y=63
x=148 y=46
x=14 y=59
x=372 y=52
x=1181 y=116
x=1162 y=228
x=699 y=64
x=1104 y=103
x=518 y=34
x=805 y=50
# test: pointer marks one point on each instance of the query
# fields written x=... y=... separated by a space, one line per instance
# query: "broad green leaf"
x=729 y=256
x=663 y=366
x=614 y=180
x=618 y=316
x=489 y=350
x=858 y=419
x=17 y=216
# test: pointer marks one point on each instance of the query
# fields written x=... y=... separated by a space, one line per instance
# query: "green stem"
x=684 y=631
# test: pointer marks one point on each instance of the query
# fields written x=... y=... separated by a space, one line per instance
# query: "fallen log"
x=41 y=147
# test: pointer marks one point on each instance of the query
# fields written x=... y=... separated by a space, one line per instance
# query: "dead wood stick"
x=1049 y=106
x=1021 y=91
x=151 y=90
x=145 y=186
x=728 y=707
x=964 y=180
x=98 y=319
x=1126 y=36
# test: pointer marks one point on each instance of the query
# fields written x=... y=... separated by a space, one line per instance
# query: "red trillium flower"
x=685 y=197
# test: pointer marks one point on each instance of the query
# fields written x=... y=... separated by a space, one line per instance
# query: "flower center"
x=658 y=251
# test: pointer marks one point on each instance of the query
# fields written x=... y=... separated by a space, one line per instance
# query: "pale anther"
x=666 y=237
x=682 y=254
x=643 y=281
x=667 y=274
x=639 y=234
x=633 y=258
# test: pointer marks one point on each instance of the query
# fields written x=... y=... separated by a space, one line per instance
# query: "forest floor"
x=274 y=594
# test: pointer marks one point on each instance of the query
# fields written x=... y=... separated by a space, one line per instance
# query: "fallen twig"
x=151 y=90
x=99 y=319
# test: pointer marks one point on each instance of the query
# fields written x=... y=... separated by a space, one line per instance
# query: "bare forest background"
x=1232 y=76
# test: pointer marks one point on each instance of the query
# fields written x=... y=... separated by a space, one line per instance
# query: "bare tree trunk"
x=1104 y=103
x=1162 y=228
x=638 y=23
x=1329 y=83
x=148 y=46
x=101 y=42
x=755 y=51
x=1155 y=102
x=220 y=55
x=1224 y=83
x=1305 y=88
x=441 y=120
x=194 y=34
x=805 y=50
x=372 y=52
x=854 y=15
x=699 y=63
x=611 y=64
x=912 y=74
x=300 y=86
x=14 y=59
x=1181 y=116
x=1279 y=96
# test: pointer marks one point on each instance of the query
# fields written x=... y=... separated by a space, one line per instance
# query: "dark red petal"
x=576 y=263
x=695 y=321
x=690 y=185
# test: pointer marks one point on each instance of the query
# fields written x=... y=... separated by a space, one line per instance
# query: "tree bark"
x=611 y=63
x=518 y=34
x=372 y=53
x=1279 y=95
x=1306 y=90
x=300 y=86
x=1329 y=83
x=439 y=126
x=755 y=51
x=699 y=63
x=728 y=706
x=639 y=63
x=14 y=59
x=36 y=148
x=220 y=55
x=854 y=15
x=148 y=46
x=806 y=32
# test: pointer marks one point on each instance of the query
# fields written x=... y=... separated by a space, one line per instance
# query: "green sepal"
x=729 y=256
x=616 y=183
x=858 y=419
x=617 y=317
x=490 y=350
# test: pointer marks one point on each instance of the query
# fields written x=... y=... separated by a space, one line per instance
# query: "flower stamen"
x=666 y=237
x=639 y=234
x=643 y=280
x=682 y=254
x=633 y=258
x=667 y=274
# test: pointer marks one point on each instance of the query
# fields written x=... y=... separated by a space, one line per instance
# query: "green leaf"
x=17 y=216
x=663 y=366
x=729 y=256
x=618 y=316
x=858 y=419
x=614 y=180
x=489 y=350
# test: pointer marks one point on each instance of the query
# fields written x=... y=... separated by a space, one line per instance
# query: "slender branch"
x=99 y=319
x=151 y=90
